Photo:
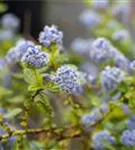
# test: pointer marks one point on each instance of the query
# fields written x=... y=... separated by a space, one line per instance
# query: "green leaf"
x=29 y=76
x=52 y=86
x=13 y=113
x=18 y=75
x=16 y=99
x=3 y=7
x=33 y=87
x=28 y=103
x=4 y=92
x=43 y=104
x=108 y=145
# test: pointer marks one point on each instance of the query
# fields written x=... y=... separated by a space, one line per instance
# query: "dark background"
x=35 y=14
x=29 y=12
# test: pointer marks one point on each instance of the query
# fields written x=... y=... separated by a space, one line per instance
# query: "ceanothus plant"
x=57 y=100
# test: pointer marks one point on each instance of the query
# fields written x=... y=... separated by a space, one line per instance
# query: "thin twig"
x=58 y=133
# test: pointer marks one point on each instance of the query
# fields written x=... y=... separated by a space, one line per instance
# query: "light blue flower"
x=10 y=21
x=100 y=138
x=88 y=120
x=100 y=4
x=122 y=10
x=111 y=77
x=101 y=50
x=128 y=138
x=67 y=78
x=90 y=18
x=6 y=35
x=11 y=56
x=121 y=61
x=131 y=122
x=104 y=108
x=121 y=35
x=81 y=46
x=132 y=65
x=126 y=109
x=2 y=63
x=51 y=35
x=22 y=46
x=34 y=57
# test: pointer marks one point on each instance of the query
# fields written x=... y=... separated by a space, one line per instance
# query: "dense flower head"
x=126 y=109
x=6 y=35
x=121 y=61
x=132 y=65
x=10 y=21
x=101 y=43
x=103 y=4
x=121 y=10
x=92 y=71
x=51 y=35
x=22 y=46
x=99 y=139
x=90 y=18
x=120 y=35
x=81 y=46
x=88 y=120
x=131 y=122
x=11 y=56
x=34 y=57
x=111 y=77
x=15 y=54
x=104 y=108
x=67 y=78
x=101 y=50
x=2 y=63
x=128 y=138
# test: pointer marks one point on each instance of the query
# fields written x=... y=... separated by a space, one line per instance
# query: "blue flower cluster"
x=81 y=46
x=21 y=47
x=100 y=5
x=126 y=109
x=10 y=21
x=111 y=77
x=121 y=10
x=6 y=35
x=100 y=138
x=2 y=63
x=15 y=54
x=11 y=57
x=34 y=57
x=131 y=123
x=90 y=18
x=132 y=65
x=121 y=35
x=51 y=35
x=128 y=138
x=88 y=120
x=121 y=61
x=67 y=78
x=104 y=108
x=102 y=51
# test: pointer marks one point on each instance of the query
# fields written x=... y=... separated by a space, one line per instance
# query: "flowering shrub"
x=78 y=99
